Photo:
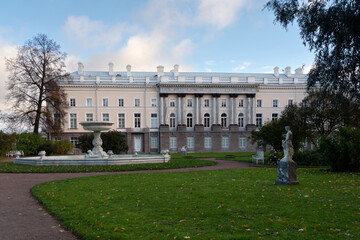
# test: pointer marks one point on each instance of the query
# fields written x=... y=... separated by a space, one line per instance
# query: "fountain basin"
x=82 y=160
x=96 y=126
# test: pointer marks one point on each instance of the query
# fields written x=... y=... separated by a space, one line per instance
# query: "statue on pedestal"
x=287 y=146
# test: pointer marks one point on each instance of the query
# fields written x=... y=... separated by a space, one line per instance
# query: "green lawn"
x=175 y=162
x=224 y=204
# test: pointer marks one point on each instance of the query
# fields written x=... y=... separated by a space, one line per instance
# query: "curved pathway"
x=21 y=216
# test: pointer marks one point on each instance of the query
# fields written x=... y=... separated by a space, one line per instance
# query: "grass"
x=224 y=204
x=175 y=162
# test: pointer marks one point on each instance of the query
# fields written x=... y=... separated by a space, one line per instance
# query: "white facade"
x=142 y=102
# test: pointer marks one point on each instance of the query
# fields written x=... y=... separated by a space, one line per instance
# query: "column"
x=214 y=109
x=218 y=109
x=231 y=109
x=179 y=109
x=253 y=109
x=166 y=109
x=200 y=110
x=247 y=109
x=183 y=110
x=161 y=110
x=235 y=110
x=196 y=109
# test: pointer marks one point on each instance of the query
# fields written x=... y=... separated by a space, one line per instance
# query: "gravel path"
x=22 y=218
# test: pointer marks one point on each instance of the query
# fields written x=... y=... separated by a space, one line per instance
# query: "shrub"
x=6 y=143
x=29 y=143
x=48 y=146
x=274 y=157
x=112 y=140
x=64 y=147
x=309 y=158
x=342 y=150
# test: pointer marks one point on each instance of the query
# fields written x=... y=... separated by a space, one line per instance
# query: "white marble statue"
x=287 y=146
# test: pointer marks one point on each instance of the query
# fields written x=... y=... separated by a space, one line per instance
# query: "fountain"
x=96 y=156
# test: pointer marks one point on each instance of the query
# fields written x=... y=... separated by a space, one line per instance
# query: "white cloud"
x=7 y=50
x=307 y=69
x=242 y=66
x=183 y=49
x=219 y=13
x=91 y=33
x=71 y=63
x=210 y=62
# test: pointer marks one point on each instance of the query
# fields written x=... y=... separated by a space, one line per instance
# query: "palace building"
x=204 y=111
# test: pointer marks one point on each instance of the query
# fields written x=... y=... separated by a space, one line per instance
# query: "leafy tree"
x=112 y=140
x=6 y=143
x=331 y=29
x=33 y=84
x=271 y=133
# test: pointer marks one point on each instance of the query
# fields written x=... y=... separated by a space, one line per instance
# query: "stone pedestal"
x=287 y=173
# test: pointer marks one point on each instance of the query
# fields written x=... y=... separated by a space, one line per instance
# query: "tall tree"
x=331 y=28
x=36 y=98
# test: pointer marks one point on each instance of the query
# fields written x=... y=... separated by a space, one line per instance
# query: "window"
x=121 y=120
x=206 y=120
x=241 y=102
x=89 y=117
x=259 y=120
x=121 y=102
x=189 y=102
x=74 y=141
x=275 y=103
x=172 y=103
x=153 y=102
x=207 y=142
x=137 y=120
x=105 y=102
x=242 y=142
x=258 y=102
x=106 y=117
x=137 y=102
x=274 y=116
x=241 y=120
x=72 y=102
x=189 y=120
x=89 y=102
x=73 y=120
x=223 y=120
x=172 y=120
x=153 y=142
x=207 y=102
x=290 y=102
x=57 y=119
x=225 y=142
x=190 y=142
x=223 y=102
x=154 y=120
x=173 y=142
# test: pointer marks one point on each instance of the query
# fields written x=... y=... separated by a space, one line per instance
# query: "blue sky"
x=199 y=35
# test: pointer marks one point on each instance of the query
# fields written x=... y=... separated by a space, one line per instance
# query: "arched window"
x=172 y=120
x=206 y=120
x=223 y=120
x=241 y=120
x=189 y=120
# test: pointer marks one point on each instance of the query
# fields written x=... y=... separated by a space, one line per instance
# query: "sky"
x=199 y=35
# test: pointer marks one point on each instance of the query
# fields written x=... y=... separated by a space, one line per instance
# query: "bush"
x=112 y=140
x=342 y=150
x=48 y=146
x=274 y=157
x=64 y=147
x=309 y=158
x=29 y=143
x=6 y=143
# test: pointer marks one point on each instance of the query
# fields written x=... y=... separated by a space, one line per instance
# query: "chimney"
x=176 y=70
x=160 y=71
x=111 y=69
x=288 y=71
x=128 y=70
x=80 y=68
x=299 y=71
x=276 y=71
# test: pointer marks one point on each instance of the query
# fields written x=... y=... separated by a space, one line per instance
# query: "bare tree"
x=34 y=93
